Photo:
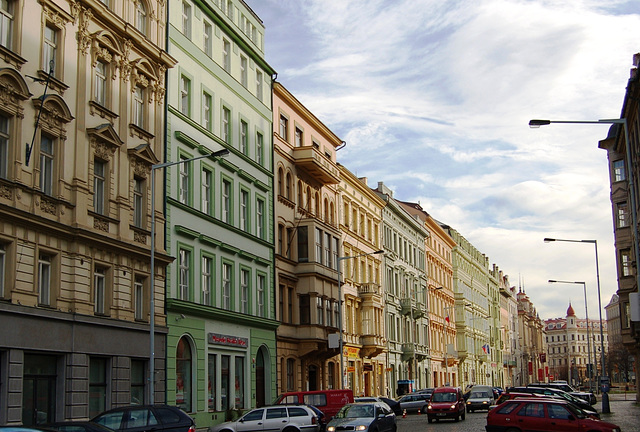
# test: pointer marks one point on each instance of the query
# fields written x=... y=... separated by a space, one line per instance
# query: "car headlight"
x=331 y=428
x=453 y=406
x=429 y=407
x=361 y=427
x=468 y=403
x=485 y=402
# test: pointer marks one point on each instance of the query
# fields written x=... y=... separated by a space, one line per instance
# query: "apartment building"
x=83 y=85
x=221 y=344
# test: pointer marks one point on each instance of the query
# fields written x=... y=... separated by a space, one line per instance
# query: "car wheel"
x=463 y=415
x=513 y=430
x=290 y=429
x=457 y=418
x=430 y=420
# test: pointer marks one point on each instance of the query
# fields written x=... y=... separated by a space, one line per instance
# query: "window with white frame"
x=623 y=214
x=50 y=48
x=320 y=311
x=260 y=148
x=141 y=17
x=244 y=210
x=47 y=158
x=99 y=182
x=259 y=84
x=207 y=279
x=226 y=286
x=284 y=127
x=44 y=279
x=244 y=137
x=184 y=275
x=183 y=193
x=318 y=246
x=244 y=80
x=186 y=19
x=226 y=55
x=260 y=301
x=138 y=298
x=99 y=290
x=625 y=261
x=138 y=202
x=226 y=201
x=138 y=106
x=100 y=83
x=244 y=291
x=207 y=112
x=4 y=146
x=6 y=23
x=226 y=125
x=207 y=38
x=260 y=218
x=185 y=92
x=207 y=190
x=229 y=9
x=298 y=138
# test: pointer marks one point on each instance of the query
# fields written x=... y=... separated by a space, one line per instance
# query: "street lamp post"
x=605 y=394
x=586 y=311
x=341 y=303
x=152 y=353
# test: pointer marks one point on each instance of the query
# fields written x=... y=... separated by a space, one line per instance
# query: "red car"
x=538 y=414
x=446 y=403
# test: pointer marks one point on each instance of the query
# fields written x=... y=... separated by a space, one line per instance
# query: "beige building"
x=82 y=84
x=531 y=347
x=364 y=341
x=307 y=246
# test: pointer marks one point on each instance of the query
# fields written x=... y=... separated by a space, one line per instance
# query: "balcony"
x=409 y=352
x=372 y=345
x=409 y=307
x=316 y=164
x=367 y=289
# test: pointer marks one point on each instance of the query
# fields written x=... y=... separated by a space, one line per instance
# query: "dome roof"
x=570 y=311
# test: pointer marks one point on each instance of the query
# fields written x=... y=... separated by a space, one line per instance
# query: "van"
x=446 y=403
x=327 y=401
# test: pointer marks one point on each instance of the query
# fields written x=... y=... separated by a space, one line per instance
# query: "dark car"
x=588 y=396
x=393 y=404
x=365 y=417
x=580 y=403
x=542 y=415
x=77 y=426
x=140 y=418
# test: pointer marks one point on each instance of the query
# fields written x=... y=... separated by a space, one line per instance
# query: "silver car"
x=365 y=417
x=298 y=418
x=415 y=402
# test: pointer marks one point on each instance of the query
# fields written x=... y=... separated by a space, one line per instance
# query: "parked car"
x=582 y=404
x=479 y=400
x=588 y=396
x=414 y=402
x=328 y=401
x=294 y=418
x=514 y=395
x=138 y=418
x=76 y=426
x=446 y=403
x=542 y=414
x=427 y=391
x=364 y=416
x=393 y=404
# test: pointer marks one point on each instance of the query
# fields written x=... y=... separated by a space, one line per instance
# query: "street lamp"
x=152 y=353
x=586 y=311
x=340 y=299
x=605 y=395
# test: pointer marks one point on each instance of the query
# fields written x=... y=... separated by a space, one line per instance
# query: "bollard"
x=404 y=413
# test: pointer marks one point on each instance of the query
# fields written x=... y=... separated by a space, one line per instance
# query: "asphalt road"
x=475 y=422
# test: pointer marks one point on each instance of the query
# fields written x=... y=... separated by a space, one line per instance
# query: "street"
x=624 y=413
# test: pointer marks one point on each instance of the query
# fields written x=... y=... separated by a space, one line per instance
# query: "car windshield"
x=576 y=411
x=355 y=411
x=479 y=395
x=443 y=397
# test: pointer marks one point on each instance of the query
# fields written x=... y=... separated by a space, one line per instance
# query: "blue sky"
x=434 y=97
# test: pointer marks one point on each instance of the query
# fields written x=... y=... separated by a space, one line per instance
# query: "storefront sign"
x=220 y=339
x=352 y=352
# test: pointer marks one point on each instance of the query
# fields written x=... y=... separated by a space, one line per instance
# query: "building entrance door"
x=260 y=379
x=313 y=377
x=38 y=390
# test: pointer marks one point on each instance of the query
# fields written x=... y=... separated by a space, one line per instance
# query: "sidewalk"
x=624 y=413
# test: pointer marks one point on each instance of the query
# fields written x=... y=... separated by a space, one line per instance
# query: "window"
x=183 y=282
x=137 y=382
x=243 y=71
x=320 y=311
x=186 y=19
x=284 y=127
x=183 y=193
x=261 y=300
x=185 y=90
x=259 y=148
x=138 y=106
x=138 y=201
x=305 y=309
x=50 y=48
x=327 y=249
x=303 y=244
x=141 y=17
x=207 y=101
x=619 y=173
x=44 y=279
x=4 y=145
x=244 y=137
x=226 y=286
x=207 y=279
x=97 y=385
x=244 y=210
x=138 y=299
x=3 y=267
x=207 y=41
x=226 y=125
x=207 y=191
x=100 y=90
x=260 y=221
x=259 y=85
x=183 y=374
x=239 y=382
x=298 y=138
x=329 y=315
x=334 y=251
x=46 y=164
x=6 y=23
x=244 y=291
x=226 y=201
x=226 y=55
x=99 y=180
x=623 y=215
x=291 y=364
x=211 y=382
x=280 y=239
x=318 y=246
x=230 y=13
x=99 y=291
x=625 y=262
x=336 y=313
x=225 y=382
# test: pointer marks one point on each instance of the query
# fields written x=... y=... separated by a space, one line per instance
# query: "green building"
x=221 y=344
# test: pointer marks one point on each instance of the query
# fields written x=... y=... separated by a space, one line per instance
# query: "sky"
x=433 y=98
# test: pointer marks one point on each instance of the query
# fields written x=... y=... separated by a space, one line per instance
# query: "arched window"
x=308 y=198
x=141 y=17
x=326 y=210
x=317 y=204
x=332 y=214
x=184 y=384
x=280 y=176
x=300 y=202
x=288 y=186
